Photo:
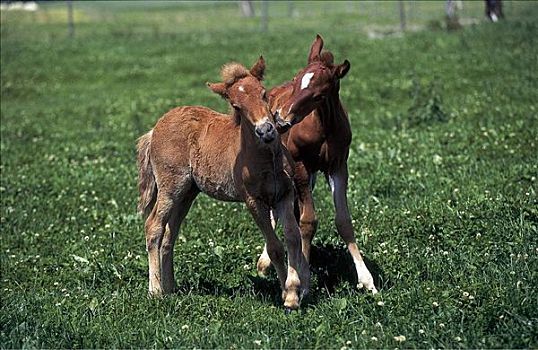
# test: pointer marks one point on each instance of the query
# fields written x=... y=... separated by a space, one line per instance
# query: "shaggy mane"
x=232 y=72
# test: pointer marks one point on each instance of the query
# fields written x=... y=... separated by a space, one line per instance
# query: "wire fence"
x=372 y=18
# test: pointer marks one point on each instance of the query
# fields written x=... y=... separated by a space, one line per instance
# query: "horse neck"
x=330 y=112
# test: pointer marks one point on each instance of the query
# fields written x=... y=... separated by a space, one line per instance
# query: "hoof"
x=370 y=287
x=288 y=311
x=170 y=289
x=292 y=303
x=155 y=294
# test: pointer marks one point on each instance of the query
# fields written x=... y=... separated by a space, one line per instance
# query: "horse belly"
x=218 y=185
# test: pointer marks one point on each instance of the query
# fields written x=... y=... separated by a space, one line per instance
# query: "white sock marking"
x=364 y=276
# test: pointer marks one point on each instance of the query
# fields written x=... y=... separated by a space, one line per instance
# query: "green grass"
x=443 y=185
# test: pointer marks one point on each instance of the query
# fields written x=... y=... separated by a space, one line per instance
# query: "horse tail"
x=146 y=178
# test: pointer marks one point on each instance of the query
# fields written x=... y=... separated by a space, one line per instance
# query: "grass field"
x=443 y=188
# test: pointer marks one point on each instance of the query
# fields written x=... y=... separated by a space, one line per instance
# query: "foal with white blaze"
x=230 y=158
x=316 y=131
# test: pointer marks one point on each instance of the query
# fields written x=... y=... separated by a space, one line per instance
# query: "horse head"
x=243 y=89
x=311 y=86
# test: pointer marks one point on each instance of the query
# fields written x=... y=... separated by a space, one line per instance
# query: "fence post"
x=247 y=10
x=401 y=6
x=290 y=8
x=70 y=22
x=265 y=16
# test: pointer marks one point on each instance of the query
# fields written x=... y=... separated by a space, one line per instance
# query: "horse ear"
x=258 y=69
x=341 y=70
x=315 y=49
x=218 y=88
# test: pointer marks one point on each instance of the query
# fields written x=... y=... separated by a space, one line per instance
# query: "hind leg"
x=179 y=212
x=338 y=183
x=155 y=227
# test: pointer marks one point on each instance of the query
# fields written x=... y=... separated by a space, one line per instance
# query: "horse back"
x=190 y=140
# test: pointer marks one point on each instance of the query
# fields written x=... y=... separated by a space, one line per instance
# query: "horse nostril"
x=270 y=127
x=258 y=131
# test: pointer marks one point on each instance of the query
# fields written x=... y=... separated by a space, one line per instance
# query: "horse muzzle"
x=281 y=124
x=266 y=132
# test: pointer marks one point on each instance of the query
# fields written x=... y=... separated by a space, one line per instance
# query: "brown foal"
x=318 y=141
x=230 y=158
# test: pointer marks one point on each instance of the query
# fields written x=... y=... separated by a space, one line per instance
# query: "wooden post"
x=290 y=8
x=70 y=21
x=401 y=6
x=265 y=16
x=450 y=8
x=247 y=9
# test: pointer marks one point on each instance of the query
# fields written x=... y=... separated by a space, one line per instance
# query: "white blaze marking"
x=306 y=80
x=241 y=88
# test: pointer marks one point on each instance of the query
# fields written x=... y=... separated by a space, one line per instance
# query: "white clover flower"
x=380 y=303
x=435 y=304
x=258 y=342
x=400 y=338
x=373 y=338
x=421 y=331
x=185 y=327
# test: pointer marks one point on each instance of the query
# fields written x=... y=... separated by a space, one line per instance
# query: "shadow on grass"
x=332 y=268
x=334 y=265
